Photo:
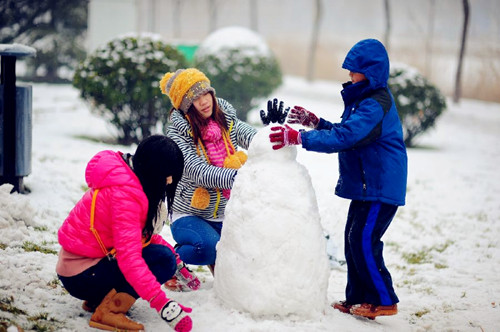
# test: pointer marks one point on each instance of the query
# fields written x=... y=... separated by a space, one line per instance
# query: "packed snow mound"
x=234 y=38
x=17 y=216
x=271 y=259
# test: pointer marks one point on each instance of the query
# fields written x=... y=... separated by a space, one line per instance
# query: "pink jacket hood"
x=108 y=168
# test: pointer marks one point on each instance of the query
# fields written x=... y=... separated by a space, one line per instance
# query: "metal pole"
x=8 y=79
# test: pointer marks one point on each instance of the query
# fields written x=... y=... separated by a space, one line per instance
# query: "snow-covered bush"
x=240 y=66
x=120 y=80
x=418 y=101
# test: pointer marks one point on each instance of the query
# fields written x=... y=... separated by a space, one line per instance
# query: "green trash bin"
x=188 y=51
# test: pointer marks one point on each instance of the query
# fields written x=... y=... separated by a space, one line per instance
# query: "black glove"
x=275 y=114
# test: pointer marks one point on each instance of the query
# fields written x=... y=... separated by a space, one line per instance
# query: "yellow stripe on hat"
x=182 y=84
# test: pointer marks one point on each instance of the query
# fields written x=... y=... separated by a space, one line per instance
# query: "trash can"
x=188 y=50
x=15 y=116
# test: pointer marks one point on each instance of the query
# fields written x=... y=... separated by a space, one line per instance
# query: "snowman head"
x=261 y=148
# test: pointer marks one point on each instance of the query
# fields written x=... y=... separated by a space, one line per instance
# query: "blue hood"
x=369 y=57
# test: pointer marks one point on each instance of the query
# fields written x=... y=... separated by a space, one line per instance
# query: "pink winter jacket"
x=120 y=216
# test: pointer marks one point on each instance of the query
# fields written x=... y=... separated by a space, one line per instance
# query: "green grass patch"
x=440 y=266
x=40 y=322
x=54 y=283
x=424 y=255
x=419 y=257
x=43 y=323
x=6 y=304
x=421 y=313
x=29 y=246
x=41 y=228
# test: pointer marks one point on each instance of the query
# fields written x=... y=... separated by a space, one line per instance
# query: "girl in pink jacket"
x=110 y=253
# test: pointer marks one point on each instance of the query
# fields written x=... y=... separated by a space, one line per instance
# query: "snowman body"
x=271 y=258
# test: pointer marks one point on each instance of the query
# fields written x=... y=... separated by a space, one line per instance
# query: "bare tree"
x=387 y=33
x=429 y=38
x=458 y=88
x=254 y=18
x=314 y=40
x=151 y=21
x=176 y=18
x=213 y=15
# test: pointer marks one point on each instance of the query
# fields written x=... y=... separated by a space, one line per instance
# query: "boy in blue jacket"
x=372 y=172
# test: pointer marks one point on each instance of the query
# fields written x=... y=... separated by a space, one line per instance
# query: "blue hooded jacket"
x=369 y=138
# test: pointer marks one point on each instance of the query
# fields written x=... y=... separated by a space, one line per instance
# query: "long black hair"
x=156 y=158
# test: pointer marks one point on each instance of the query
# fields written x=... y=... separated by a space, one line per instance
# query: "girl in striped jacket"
x=208 y=133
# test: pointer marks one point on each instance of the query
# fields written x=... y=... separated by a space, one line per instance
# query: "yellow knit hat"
x=184 y=86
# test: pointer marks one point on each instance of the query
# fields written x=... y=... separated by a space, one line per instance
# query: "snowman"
x=271 y=258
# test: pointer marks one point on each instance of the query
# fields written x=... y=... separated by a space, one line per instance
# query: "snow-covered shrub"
x=418 y=101
x=240 y=66
x=120 y=80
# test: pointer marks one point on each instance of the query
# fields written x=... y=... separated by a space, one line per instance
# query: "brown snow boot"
x=342 y=306
x=88 y=307
x=110 y=314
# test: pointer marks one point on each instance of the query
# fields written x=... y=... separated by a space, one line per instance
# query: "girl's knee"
x=200 y=253
x=206 y=253
x=160 y=259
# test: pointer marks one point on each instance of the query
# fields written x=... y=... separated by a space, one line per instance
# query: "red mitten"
x=302 y=116
x=284 y=136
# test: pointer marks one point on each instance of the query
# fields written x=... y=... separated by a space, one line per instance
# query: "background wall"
x=425 y=34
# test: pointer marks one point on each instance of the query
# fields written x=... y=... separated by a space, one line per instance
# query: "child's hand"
x=284 y=136
x=176 y=315
x=302 y=116
x=274 y=114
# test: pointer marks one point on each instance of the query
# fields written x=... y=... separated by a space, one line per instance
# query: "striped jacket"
x=197 y=170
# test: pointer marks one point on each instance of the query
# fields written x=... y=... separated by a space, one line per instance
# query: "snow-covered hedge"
x=240 y=66
x=419 y=102
x=120 y=81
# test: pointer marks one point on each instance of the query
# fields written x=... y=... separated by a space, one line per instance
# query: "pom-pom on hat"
x=184 y=86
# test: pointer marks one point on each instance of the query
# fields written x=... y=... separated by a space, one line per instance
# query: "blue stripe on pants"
x=368 y=253
x=368 y=279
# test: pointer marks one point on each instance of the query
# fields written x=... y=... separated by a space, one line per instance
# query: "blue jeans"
x=95 y=283
x=196 y=239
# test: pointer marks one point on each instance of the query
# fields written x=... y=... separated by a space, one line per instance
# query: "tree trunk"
x=314 y=41
x=387 y=33
x=254 y=17
x=429 y=39
x=458 y=88
x=176 y=19
x=213 y=15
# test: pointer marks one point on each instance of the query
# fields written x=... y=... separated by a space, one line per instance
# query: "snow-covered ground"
x=443 y=248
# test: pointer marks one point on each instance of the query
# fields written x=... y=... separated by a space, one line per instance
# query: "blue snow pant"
x=196 y=239
x=368 y=280
x=95 y=283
